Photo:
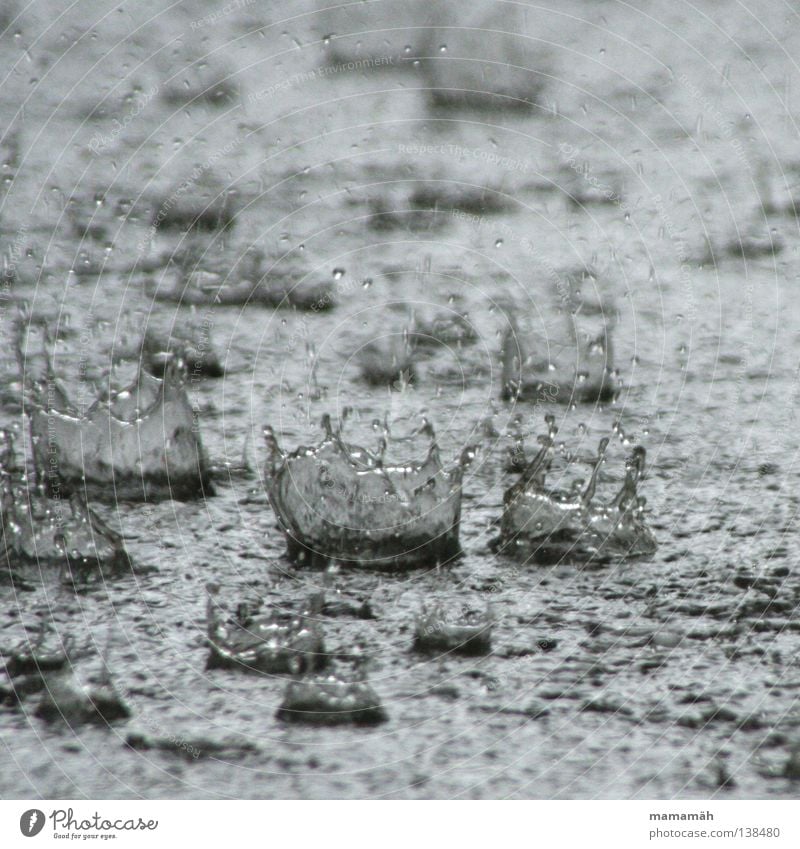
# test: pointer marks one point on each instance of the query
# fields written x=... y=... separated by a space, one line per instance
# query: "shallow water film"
x=399 y=400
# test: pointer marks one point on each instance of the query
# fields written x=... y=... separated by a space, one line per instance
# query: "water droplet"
x=338 y=273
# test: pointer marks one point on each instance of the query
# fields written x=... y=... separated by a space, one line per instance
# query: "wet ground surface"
x=662 y=153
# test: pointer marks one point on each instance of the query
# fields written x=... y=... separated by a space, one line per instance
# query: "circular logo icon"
x=31 y=822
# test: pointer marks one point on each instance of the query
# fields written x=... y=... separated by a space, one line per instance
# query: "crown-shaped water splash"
x=549 y=525
x=340 y=502
x=142 y=443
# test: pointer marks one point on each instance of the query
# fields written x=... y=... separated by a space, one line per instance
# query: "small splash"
x=331 y=700
x=444 y=328
x=574 y=366
x=463 y=632
x=389 y=361
x=65 y=698
x=275 y=644
x=47 y=668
